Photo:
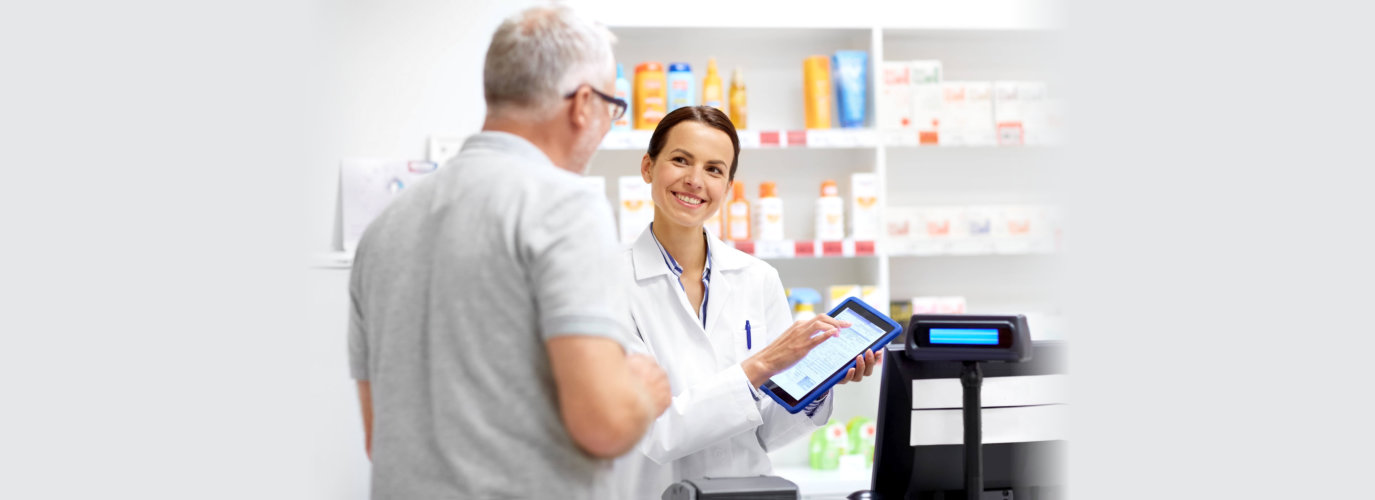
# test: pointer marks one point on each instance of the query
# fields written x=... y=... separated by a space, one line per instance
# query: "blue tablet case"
x=885 y=321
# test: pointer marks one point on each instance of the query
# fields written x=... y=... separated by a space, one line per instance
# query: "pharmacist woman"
x=716 y=320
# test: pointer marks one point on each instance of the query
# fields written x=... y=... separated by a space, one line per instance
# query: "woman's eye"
x=680 y=160
x=714 y=170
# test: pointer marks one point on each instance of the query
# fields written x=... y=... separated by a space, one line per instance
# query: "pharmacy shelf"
x=838 y=138
x=803 y=249
x=935 y=247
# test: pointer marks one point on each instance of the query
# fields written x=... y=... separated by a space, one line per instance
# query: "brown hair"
x=705 y=115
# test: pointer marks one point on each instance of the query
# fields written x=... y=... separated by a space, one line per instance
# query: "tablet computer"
x=802 y=383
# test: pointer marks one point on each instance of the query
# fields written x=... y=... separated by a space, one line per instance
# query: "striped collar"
x=673 y=263
x=677 y=271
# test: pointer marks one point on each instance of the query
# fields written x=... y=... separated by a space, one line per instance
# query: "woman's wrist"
x=756 y=370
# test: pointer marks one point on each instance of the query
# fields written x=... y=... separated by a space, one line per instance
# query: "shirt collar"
x=671 y=263
x=505 y=142
x=648 y=261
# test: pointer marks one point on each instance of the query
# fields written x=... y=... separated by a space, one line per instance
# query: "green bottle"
x=827 y=445
x=862 y=432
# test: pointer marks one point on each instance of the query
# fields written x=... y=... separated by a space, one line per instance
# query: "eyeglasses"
x=618 y=106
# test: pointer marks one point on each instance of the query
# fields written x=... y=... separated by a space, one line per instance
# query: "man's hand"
x=657 y=393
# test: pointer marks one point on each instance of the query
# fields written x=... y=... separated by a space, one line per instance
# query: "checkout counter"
x=920 y=450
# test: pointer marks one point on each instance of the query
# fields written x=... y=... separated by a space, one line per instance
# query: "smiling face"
x=688 y=179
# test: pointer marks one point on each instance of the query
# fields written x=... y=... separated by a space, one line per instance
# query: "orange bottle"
x=738 y=213
x=651 y=95
x=816 y=91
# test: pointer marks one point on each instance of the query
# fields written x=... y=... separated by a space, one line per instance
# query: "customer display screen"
x=964 y=336
x=832 y=355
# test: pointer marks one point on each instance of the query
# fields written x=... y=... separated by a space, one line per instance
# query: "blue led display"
x=964 y=336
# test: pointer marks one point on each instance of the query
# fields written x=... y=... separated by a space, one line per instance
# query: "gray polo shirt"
x=456 y=286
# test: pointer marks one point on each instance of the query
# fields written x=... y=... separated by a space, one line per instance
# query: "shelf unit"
x=992 y=275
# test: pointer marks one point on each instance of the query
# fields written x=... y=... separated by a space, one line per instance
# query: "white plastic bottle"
x=830 y=213
x=768 y=214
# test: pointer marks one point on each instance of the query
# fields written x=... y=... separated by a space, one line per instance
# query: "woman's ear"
x=646 y=168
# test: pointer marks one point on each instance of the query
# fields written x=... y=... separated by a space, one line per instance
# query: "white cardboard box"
x=894 y=103
x=635 y=208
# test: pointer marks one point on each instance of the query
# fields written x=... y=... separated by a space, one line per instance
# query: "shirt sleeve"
x=570 y=247
x=358 y=338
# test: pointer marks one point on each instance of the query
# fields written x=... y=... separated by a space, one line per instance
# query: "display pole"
x=972 y=380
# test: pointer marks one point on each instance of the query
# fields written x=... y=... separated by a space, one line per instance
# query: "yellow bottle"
x=738 y=110
x=816 y=91
x=711 y=87
x=651 y=95
x=738 y=213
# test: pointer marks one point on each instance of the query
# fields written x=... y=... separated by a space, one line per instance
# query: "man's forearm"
x=365 y=401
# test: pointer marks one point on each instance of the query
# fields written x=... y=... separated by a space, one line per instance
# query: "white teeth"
x=689 y=199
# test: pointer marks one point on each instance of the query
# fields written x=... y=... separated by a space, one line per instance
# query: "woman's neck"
x=686 y=244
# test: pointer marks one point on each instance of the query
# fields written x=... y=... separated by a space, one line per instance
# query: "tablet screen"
x=831 y=355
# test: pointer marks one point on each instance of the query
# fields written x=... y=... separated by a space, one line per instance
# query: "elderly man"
x=485 y=331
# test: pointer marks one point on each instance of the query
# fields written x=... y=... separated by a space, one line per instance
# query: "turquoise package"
x=849 y=69
x=622 y=92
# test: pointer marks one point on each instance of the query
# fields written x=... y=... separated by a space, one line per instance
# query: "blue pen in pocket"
x=748 y=343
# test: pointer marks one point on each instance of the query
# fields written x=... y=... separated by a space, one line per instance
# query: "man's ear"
x=646 y=168
x=578 y=112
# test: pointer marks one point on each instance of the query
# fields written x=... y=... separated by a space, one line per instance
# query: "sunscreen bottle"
x=651 y=98
x=830 y=213
x=739 y=112
x=816 y=91
x=713 y=223
x=738 y=213
x=768 y=213
x=680 y=92
x=711 y=87
x=623 y=93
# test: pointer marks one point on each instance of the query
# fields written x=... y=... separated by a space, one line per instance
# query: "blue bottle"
x=680 y=86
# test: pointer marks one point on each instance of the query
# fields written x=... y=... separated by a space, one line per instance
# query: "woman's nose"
x=693 y=178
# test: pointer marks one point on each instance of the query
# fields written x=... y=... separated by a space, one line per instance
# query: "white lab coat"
x=714 y=427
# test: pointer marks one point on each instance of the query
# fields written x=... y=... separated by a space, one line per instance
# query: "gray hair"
x=541 y=54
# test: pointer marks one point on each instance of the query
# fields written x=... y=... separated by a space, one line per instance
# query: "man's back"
x=455 y=289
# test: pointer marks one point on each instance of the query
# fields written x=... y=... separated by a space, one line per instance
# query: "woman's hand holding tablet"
x=844 y=356
x=790 y=347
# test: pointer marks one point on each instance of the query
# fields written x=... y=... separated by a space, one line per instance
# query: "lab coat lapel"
x=649 y=264
x=724 y=263
x=720 y=294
